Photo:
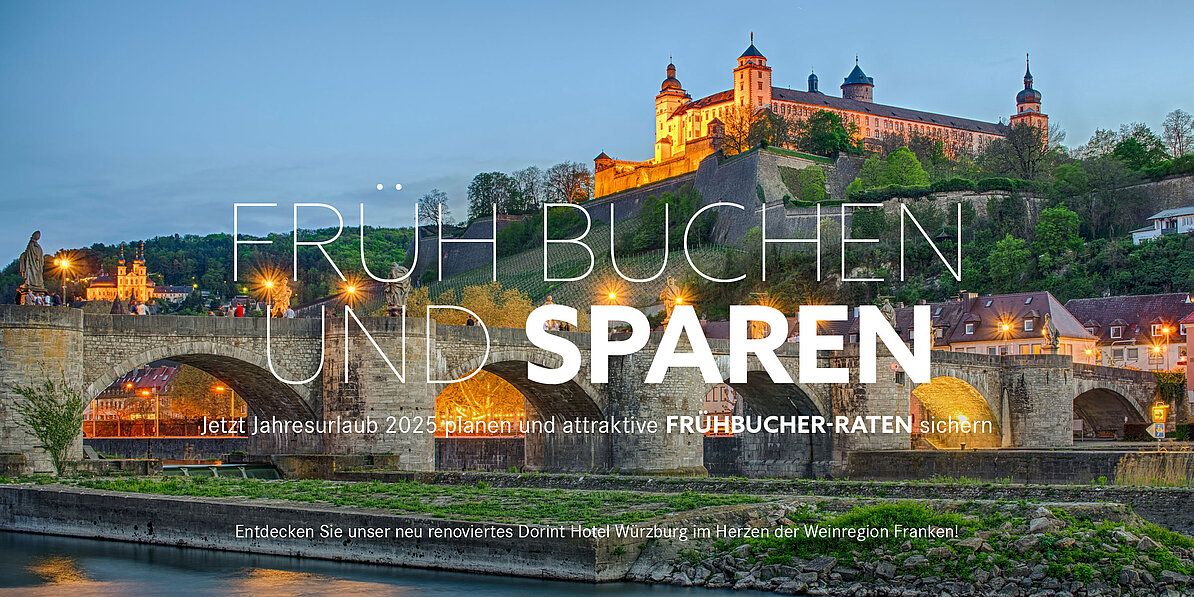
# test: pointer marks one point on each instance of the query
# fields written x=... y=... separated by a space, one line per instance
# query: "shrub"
x=953 y=184
x=759 y=192
x=995 y=184
x=811 y=184
x=53 y=414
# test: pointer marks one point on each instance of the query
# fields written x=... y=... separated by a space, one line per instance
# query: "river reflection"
x=44 y=565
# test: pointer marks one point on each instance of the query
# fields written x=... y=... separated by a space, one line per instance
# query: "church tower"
x=1028 y=103
x=752 y=79
x=671 y=97
x=858 y=86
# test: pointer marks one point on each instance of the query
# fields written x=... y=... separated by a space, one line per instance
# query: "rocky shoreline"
x=1030 y=555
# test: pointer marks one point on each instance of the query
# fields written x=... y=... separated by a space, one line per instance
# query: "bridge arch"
x=1104 y=412
x=575 y=399
x=945 y=403
x=245 y=371
x=789 y=455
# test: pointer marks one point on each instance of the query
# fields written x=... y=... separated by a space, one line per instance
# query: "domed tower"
x=671 y=97
x=1028 y=103
x=858 y=86
x=752 y=79
x=812 y=83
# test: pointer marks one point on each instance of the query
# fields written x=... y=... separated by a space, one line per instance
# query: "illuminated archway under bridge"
x=545 y=447
x=956 y=415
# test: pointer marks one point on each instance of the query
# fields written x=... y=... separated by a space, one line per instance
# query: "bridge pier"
x=37 y=344
x=681 y=393
x=1039 y=393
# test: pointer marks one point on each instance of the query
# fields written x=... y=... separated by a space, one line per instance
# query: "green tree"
x=490 y=189
x=1139 y=155
x=811 y=183
x=903 y=168
x=1008 y=263
x=1070 y=180
x=1056 y=233
x=824 y=133
x=871 y=175
x=53 y=414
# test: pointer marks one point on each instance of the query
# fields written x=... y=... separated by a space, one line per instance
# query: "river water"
x=45 y=565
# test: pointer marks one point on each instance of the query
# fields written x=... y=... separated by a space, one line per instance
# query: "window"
x=1028 y=325
x=989 y=303
x=992 y=350
x=1003 y=350
x=1157 y=329
x=939 y=332
x=1117 y=354
x=1090 y=331
x=1117 y=331
x=1181 y=329
x=1133 y=353
x=1025 y=349
x=970 y=328
x=760 y=85
x=1028 y=301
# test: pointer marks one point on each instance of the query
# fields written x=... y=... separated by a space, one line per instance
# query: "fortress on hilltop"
x=687 y=131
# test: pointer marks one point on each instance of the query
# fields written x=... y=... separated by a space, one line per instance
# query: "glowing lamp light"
x=269 y=283
x=219 y=388
x=1165 y=330
x=1006 y=327
x=351 y=289
x=144 y=392
x=128 y=386
x=680 y=300
x=1089 y=351
x=1156 y=349
x=613 y=296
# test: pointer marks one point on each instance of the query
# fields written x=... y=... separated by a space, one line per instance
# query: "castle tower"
x=671 y=97
x=1028 y=103
x=858 y=86
x=752 y=79
x=812 y=83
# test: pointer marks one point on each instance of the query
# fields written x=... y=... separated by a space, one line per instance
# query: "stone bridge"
x=1032 y=400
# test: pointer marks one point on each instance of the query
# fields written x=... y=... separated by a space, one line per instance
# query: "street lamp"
x=269 y=300
x=63 y=269
x=1166 y=330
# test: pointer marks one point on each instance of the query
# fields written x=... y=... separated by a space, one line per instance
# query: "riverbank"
x=1169 y=507
x=788 y=544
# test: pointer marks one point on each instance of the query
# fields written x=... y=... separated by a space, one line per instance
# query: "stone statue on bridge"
x=889 y=312
x=396 y=292
x=1051 y=335
x=671 y=296
x=32 y=264
x=281 y=297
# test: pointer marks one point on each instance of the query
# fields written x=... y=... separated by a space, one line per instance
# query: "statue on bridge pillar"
x=32 y=263
x=281 y=298
x=396 y=292
x=889 y=313
x=1051 y=336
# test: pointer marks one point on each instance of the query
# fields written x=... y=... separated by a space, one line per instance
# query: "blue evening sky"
x=127 y=120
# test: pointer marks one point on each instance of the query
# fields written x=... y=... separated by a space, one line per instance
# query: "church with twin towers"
x=685 y=129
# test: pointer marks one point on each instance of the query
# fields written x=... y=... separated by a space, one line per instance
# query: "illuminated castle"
x=687 y=131
x=129 y=281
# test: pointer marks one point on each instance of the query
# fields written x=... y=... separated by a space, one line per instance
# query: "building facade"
x=1000 y=324
x=1140 y=332
x=131 y=280
x=687 y=130
x=1170 y=221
